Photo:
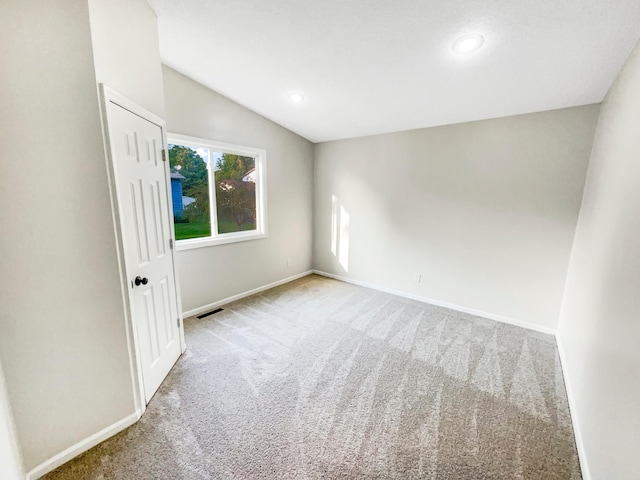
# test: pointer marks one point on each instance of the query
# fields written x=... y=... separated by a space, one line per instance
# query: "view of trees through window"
x=235 y=192
x=234 y=179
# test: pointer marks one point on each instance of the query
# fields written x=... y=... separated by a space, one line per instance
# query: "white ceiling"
x=376 y=66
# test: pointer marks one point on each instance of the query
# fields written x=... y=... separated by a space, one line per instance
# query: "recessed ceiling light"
x=296 y=97
x=468 y=43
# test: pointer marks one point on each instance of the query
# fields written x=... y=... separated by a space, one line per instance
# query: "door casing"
x=109 y=95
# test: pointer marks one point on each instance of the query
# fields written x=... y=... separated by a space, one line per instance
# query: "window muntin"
x=217 y=192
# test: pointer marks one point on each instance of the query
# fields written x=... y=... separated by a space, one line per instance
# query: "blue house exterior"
x=176 y=194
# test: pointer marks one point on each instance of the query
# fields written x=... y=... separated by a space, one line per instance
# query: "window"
x=217 y=192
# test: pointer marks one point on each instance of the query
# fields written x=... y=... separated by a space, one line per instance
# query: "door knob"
x=141 y=281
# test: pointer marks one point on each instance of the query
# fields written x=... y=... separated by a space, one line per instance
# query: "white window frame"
x=216 y=238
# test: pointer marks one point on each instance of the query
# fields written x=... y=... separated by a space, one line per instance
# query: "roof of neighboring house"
x=177 y=176
x=248 y=172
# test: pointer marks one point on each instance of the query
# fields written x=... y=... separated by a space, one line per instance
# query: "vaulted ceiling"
x=374 y=66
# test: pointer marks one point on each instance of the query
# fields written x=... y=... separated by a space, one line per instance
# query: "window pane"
x=235 y=192
x=190 y=191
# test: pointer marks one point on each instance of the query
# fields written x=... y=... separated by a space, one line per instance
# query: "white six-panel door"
x=145 y=222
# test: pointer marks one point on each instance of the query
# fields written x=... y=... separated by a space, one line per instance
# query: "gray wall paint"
x=599 y=326
x=210 y=274
x=62 y=335
x=125 y=50
x=485 y=211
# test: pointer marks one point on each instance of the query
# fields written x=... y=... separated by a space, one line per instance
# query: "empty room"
x=344 y=239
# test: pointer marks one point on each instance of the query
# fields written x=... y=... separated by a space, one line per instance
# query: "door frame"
x=108 y=95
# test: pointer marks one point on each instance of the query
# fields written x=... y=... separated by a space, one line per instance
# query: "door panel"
x=159 y=233
x=141 y=184
x=139 y=227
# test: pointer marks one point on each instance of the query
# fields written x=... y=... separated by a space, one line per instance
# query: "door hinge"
x=164 y=155
x=171 y=243
x=178 y=322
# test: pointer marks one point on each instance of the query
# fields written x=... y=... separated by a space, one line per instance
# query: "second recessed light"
x=296 y=97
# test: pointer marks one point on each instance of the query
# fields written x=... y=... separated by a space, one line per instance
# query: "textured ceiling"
x=374 y=66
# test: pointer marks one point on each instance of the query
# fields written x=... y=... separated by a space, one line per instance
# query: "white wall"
x=62 y=336
x=484 y=211
x=599 y=326
x=210 y=274
x=10 y=463
x=125 y=50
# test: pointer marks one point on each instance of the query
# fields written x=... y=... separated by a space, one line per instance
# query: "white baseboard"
x=102 y=435
x=471 y=311
x=582 y=456
x=83 y=446
x=224 y=301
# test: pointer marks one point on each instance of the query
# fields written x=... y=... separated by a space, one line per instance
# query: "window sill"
x=220 y=240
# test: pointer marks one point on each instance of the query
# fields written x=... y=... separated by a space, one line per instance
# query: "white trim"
x=221 y=239
x=205 y=142
x=451 y=306
x=14 y=466
x=82 y=446
x=260 y=167
x=108 y=95
x=111 y=95
x=577 y=432
x=224 y=301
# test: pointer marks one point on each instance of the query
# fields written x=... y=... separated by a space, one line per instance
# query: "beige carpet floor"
x=322 y=379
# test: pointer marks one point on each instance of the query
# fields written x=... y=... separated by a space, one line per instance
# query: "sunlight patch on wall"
x=343 y=257
x=334 y=225
x=340 y=221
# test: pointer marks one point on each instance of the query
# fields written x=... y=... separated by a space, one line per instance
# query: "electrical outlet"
x=417 y=277
x=289 y=262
